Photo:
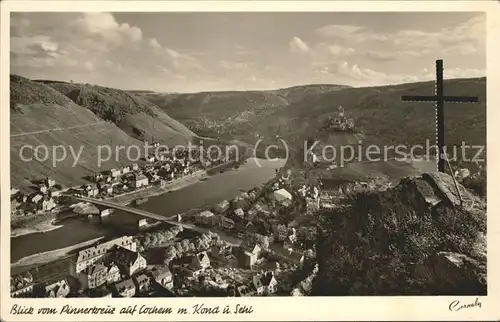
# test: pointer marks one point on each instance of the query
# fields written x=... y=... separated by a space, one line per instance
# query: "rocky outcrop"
x=421 y=237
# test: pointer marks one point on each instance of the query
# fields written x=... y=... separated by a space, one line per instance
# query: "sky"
x=193 y=52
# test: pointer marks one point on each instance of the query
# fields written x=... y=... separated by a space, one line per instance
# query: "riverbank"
x=50 y=222
x=177 y=184
x=40 y=227
x=50 y=256
x=127 y=198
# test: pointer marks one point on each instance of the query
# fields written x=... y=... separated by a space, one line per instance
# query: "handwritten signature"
x=457 y=305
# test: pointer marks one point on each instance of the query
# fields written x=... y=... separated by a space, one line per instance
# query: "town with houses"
x=158 y=170
x=261 y=243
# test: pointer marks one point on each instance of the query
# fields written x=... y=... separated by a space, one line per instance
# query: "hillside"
x=300 y=112
x=232 y=114
x=133 y=114
x=80 y=117
x=413 y=239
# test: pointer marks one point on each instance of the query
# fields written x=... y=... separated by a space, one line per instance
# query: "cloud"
x=380 y=56
x=355 y=75
x=461 y=38
x=98 y=48
x=297 y=45
x=232 y=65
x=337 y=30
x=105 y=46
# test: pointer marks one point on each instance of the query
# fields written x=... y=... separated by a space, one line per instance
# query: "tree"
x=199 y=243
x=154 y=240
x=310 y=254
x=170 y=253
x=179 y=249
x=264 y=243
x=169 y=235
x=185 y=245
x=160 y=238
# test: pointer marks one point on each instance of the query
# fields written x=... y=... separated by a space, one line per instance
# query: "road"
x=57 y=129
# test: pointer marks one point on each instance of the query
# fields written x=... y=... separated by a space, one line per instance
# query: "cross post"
x=439 y=99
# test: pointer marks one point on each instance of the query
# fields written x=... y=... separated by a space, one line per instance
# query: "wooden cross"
x=439 y=99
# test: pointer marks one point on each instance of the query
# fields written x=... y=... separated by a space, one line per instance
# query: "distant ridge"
x=298 y=112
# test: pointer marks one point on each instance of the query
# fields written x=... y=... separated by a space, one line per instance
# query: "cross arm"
x=416 y=98
x=460 y=99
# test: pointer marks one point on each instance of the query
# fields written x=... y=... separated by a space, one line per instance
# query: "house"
x=13 y=192
x=262 y=209
x=244 y=291
x=103 y=186
x=108 y=189
x=150 y=158
x=21 y=197
x=91 y=255
x=141 y=181
x=220 y=251
x=58 y=289
x=36 y=198
x=280 y=232
x=92 y=190
x=281 y=195
x=265 y=284
x=296 y=257
x=113 y=273
x=100 y=292
x=49 y=182
x=142 y=283
x=206 y=217
x=43 y=189
x=125 y=169
x=248 y=254
x=93 y=276
x=131 y=262
x=152 y=176
x=199 y=263
x=312 y=205
x=55 y=193
x=135 y=167
x=308 y=232
x=48 y=204
x=222 y=207
x=21 y=285
x=125 y=288
x=163 y=277
x=257 y=238
x=115 y=173
x=291 y=236
x=224 y=222
x=26 y=291
x=239 y=213
x=98 y=177
x=239 y=202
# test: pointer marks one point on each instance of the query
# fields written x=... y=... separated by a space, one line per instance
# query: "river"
x=201 y=194
x=215 y=188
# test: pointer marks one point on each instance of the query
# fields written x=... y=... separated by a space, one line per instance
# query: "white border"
x=285 y=308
